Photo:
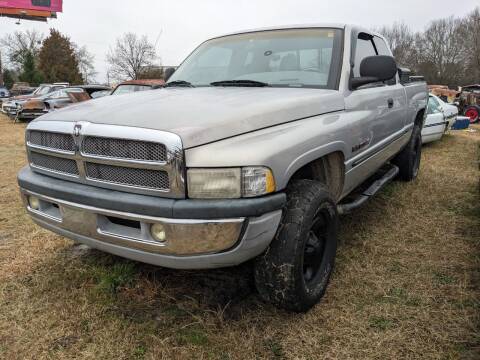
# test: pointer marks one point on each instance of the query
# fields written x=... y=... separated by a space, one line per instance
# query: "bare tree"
x=402 y=42
x=442 y=49
x=472 y=48
x=130 y=55
x=19 y=44
x=85 y=63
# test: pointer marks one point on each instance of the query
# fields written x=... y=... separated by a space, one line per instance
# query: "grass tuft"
x=192 y=336
x=111 y=279
x=380 y=323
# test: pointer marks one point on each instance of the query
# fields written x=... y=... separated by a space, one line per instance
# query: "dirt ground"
x=406 y=285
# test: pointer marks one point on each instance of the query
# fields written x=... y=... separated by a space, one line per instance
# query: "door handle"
x=390 y=103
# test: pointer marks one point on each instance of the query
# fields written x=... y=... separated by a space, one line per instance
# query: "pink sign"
x=45 y=5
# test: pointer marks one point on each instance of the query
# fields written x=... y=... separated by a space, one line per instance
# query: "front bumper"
x=30 y=115
x=199 y=234
x=9 y=109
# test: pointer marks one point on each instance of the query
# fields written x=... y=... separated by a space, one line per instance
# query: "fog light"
x=34 y=202
x=158 y=232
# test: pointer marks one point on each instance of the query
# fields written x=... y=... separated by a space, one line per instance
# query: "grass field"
x=406 y=285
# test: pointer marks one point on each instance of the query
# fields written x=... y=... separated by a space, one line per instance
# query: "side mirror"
x=375 y=69
x=168 y=73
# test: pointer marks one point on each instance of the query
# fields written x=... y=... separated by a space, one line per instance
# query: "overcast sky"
x=179 y=26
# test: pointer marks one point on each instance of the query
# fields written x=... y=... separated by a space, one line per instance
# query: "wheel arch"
x=329 y=169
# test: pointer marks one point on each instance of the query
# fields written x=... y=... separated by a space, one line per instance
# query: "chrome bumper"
x=189 y=244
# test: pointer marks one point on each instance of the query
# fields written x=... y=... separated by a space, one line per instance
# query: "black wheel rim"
x=314 y=250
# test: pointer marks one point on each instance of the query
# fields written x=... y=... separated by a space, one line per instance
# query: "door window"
x=364 y=49
x=433 y=106
x=381 y=46
x=383 y=49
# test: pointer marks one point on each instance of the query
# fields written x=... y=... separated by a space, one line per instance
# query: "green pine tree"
x=8 y=78
x=57 y=60
x=29 y=73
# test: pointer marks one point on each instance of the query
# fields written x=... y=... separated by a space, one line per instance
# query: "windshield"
x=42 y=90
x=63 y=93
x=281 y=58
x=126 y=89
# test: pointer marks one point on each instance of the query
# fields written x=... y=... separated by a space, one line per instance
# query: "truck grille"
x=124 y=149
x=56 y=164
x=144 y=178
x=138 y=163
x=52 y=140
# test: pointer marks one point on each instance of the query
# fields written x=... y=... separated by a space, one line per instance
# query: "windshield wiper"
x=247 y=83
x=179 y=83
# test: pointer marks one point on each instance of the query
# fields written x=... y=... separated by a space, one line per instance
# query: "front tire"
x=408 y=160
x=295 y=270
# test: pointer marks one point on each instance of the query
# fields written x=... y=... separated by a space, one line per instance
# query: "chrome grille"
x=137 y=160
x=53 y=163
x=144 y=178
x=52 y=140
x=124 y=149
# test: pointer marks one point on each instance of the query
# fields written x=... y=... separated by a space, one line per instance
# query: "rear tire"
x=473 y=113
x=408 y=160
x=295 y=270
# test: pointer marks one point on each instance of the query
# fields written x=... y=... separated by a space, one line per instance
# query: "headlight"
x=257 y=181
x=231 y=183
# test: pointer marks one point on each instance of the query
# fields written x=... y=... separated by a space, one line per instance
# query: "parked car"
x=132 y=86
x=21 y=88
x=35 y=107
x=14 y=104
x=436 y=123
x=450 y=111
x=254 y=157
x=4 y=93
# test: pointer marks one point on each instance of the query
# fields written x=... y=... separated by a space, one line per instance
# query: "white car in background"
x=449 y=110
x=436 y=123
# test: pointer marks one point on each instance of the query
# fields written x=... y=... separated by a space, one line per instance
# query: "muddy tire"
x=408 y=160
x=295 y=270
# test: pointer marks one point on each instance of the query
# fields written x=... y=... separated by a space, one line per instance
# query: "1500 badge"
x=362 y=145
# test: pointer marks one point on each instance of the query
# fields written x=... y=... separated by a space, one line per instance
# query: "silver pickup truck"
x=256 y=144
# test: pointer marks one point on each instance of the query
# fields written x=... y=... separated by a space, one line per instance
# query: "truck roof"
x=303 y=26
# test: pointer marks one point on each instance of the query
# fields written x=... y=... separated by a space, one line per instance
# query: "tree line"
x=447 y=52
x=33 y=58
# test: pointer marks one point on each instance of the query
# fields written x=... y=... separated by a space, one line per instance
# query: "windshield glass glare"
x=126 y=89
x=281 y=58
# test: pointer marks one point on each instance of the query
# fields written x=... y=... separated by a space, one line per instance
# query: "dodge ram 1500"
x=252 y=149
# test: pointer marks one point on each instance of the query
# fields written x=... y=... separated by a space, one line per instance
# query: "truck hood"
x=207 y=114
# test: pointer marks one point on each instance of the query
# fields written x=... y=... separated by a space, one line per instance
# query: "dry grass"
x=406 y=284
